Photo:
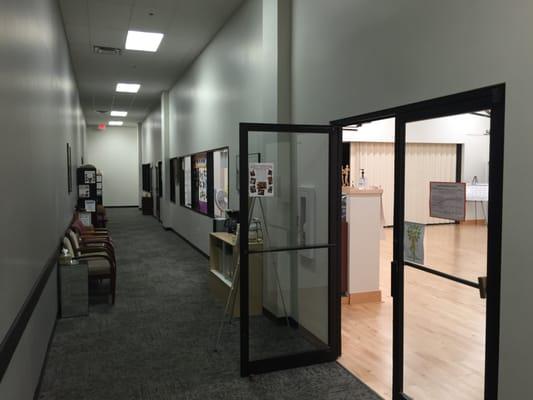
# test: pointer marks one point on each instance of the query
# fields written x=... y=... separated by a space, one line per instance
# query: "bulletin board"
x=203 y=183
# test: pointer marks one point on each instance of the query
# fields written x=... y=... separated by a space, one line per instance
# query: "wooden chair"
x=100 y=260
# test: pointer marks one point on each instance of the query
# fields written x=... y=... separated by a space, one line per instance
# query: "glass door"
x=447 y=247
x=289 y=245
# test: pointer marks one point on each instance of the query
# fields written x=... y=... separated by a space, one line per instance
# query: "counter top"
x=353 y=191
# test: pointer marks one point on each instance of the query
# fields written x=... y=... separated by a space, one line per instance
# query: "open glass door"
x=289 y=245
x=446 y=269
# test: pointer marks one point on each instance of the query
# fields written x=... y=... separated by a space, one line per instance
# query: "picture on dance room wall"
x=261 y=179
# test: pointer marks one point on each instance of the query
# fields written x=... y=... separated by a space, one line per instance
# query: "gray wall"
x=114 y=152
x=40 y=113
x=352 y=57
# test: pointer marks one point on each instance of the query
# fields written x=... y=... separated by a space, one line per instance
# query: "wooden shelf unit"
x=223 y=257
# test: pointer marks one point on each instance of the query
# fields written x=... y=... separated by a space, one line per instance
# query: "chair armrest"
x=94 y=249
x=97 y=256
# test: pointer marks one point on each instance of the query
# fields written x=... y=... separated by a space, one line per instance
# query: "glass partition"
x=290 y=232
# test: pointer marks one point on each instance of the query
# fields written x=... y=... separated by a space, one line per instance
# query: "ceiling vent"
x=113 y=51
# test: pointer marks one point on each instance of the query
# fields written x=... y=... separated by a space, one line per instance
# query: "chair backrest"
x=67 y=245
x=74 y=240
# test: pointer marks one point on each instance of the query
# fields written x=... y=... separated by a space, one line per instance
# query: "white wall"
x=114 y=152
x=151 y=150
x=352 y=57
x=40 y=113
x=205 y=107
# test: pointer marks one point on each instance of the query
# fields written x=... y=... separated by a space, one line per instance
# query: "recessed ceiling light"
x=115 y=123
x=119 y=113
x=128 y=87
x=143 y=41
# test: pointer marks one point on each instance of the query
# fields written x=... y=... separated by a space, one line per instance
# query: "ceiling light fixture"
x=119 y=113
x=143 y=41
x=115 y=123
x=128 y=87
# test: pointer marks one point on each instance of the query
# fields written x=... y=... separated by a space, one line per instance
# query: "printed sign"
x=413 y=242
x=447 y=200
x=90 y=205
x=85 y=218
x=84 y=191
x=261 y=180
x=90 y=176
x=478 y=192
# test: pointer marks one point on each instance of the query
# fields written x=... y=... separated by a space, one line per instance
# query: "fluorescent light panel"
x=115 y=123
x=128 y=87
x=119 y=113
x=143 y=41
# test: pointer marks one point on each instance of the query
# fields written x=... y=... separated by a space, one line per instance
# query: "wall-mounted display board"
x=146 y=178
x=99 y=188
x=174 y=179
x=447 y=200
x=69 y=168
x=87 y=190
x=204 y=181
x=160 y=179
x=220 y=182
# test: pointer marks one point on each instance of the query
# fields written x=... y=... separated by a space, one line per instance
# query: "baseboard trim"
x=362 y=297
x=473 y=222
x=18 y=327
x=186 y=241
x=43 y=367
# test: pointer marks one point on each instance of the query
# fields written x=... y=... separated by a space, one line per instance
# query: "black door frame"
x=487 y=98
x=249 y=367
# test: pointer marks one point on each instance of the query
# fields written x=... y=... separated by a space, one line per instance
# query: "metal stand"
x=229 y=309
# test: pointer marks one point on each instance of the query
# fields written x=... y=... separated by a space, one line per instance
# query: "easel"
x=229 y=309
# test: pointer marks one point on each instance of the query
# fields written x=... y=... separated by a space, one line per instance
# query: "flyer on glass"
x=261 y=180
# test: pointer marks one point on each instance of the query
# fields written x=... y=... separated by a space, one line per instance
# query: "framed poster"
x=447 y=200
x=261 y=180
x=187 y=181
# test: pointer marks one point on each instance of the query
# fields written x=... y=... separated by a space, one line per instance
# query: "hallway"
x=156 y=342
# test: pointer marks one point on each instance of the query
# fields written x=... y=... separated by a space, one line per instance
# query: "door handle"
x=482 y=280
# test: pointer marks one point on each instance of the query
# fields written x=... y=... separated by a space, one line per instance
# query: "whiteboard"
x=447 y=200
x=477 y=192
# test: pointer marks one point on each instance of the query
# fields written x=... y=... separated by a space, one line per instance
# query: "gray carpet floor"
x=156 y=342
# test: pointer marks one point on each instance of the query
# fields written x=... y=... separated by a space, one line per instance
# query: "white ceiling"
x=188 y=26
